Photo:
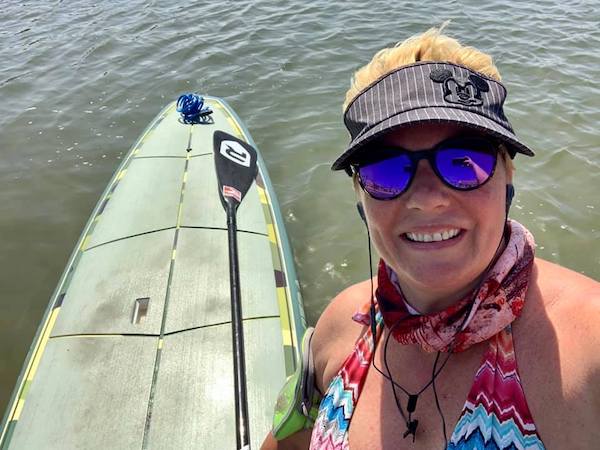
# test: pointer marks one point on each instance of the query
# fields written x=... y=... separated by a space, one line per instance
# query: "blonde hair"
x=429 y=46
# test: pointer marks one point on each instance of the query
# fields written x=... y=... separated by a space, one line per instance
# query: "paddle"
x=235 y=163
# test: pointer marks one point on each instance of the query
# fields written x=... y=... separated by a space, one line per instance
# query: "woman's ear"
x=509 y=166
x=510 y=193
x=361 y=212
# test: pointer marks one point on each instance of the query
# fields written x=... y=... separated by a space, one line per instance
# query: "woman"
x=478 y=344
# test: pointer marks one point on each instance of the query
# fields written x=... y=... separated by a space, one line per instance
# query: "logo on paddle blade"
x=235 y=152
x=229 y=191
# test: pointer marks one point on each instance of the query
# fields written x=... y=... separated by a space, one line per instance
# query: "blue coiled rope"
x=192 y=109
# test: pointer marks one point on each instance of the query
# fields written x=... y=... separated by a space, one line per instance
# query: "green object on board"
x=298 y=402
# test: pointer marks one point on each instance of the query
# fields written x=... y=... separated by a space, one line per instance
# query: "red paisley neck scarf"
x=475 y=318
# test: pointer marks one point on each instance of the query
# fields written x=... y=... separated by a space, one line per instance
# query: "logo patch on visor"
x=460 y=90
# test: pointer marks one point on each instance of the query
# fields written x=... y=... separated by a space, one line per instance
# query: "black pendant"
x=411 y=425
x=411 y=428
x=412 y=403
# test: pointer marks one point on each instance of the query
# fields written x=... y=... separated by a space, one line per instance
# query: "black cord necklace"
x=412 y=424
x=411 y=406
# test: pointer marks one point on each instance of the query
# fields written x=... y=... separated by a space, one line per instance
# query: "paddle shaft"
x=237 y=328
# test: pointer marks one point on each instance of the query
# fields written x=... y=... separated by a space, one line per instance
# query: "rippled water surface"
x=79 y=82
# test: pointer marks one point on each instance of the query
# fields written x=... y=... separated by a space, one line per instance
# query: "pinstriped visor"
x=427 y=92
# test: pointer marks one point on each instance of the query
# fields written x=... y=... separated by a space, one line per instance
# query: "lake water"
x=79 y=81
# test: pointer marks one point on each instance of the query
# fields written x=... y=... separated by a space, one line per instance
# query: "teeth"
x=435 y=237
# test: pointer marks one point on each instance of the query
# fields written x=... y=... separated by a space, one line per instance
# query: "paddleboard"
x=135 y=347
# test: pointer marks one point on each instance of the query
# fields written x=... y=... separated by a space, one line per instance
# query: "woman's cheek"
x=382 y=226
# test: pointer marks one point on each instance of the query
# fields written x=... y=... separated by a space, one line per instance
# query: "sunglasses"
x=461 y=163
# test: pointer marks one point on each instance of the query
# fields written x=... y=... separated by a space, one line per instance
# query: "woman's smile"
x=435 y=236
x=435 y=240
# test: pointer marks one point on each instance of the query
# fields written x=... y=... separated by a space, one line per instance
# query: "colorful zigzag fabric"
x=330 y=431
x=495 y=415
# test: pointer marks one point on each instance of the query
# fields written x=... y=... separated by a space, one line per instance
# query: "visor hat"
x=427 y=92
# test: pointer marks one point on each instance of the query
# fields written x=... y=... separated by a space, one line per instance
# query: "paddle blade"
x=235 y=163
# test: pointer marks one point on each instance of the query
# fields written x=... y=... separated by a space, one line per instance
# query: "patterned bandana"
x=498 y=302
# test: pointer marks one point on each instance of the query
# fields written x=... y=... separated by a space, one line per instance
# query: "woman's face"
x=434 y=275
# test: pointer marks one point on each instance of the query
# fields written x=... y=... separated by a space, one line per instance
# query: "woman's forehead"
x=426 y=135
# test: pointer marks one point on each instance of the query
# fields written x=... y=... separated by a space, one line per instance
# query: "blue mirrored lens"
x=387 y=178
x=464 y=168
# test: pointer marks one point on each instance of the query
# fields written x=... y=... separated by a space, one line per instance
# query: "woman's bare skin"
x=556 y=342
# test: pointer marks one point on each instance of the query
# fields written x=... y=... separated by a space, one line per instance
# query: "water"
x=80 y=81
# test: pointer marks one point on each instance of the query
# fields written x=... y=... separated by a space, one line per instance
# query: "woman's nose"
x=427 y=191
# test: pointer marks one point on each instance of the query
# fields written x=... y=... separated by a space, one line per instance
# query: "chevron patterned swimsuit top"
x=495 y=415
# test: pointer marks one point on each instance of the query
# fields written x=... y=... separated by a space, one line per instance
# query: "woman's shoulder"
x=562 y=288
x=563 y=322
x=336 y=333
x=570 y=302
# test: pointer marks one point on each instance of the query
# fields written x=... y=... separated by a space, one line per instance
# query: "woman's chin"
x=440 y=281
